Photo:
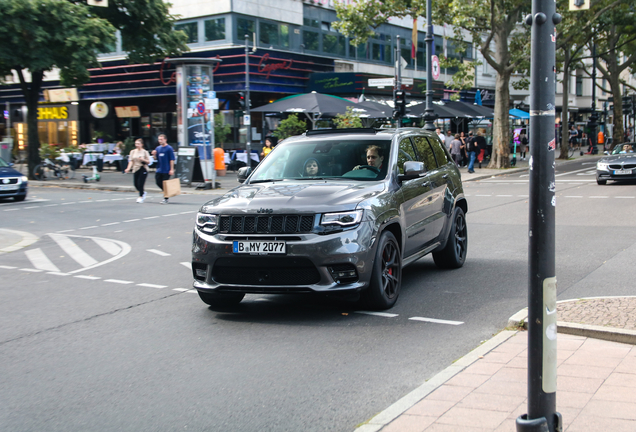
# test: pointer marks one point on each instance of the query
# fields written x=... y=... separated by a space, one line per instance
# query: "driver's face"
x=373 y=159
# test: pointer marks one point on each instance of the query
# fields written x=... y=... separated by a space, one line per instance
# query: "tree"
x=487 y=22
x=291 y=126
x=42 y=35
x=348 y=120
x=221 y=130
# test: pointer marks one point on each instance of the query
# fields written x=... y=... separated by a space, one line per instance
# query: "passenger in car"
x=311 y=168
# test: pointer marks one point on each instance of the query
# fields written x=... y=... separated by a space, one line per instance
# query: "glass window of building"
x=191 y=30
x=214 y=29
x=268 y=34
x=311 y=41
x=311 y=22
x=363 y=51
x=333 y=44
x=579 y=85
x=284 y=35
x=245 y=27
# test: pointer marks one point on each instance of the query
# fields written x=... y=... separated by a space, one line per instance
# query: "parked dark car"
x=619 y=165
x=337 y=211
x=13 y=184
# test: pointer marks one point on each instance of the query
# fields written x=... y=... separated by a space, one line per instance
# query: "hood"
x=619 y=158
x=296 y=197
x=9 y=172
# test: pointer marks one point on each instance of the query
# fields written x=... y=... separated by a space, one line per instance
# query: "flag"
x=478 y=97
x=414 y=39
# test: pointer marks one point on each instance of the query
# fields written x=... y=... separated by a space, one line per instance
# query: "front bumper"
x=309 y=265
x=9 y=191
x=610 y=175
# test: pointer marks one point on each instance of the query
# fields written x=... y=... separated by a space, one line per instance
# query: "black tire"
x=19 y=198
x=386 y=277
x=221 y=300
x=454 y=253
x=601 y=182
x=39 y=172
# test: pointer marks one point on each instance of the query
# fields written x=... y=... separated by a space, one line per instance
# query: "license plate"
x=259 y=247
x=623 y=171
x=10 y=187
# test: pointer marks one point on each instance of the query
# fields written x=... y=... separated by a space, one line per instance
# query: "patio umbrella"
x=317 y=105
x=519 y=113
x=441 y=110
x=471 y=110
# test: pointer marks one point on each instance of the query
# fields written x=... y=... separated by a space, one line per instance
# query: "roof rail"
x=341 y=131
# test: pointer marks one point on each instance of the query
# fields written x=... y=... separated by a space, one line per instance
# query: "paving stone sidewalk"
x=616 y=312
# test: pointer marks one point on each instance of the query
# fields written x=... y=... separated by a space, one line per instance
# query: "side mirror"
x=412 y=169
x=605 y=152
x=243 y=174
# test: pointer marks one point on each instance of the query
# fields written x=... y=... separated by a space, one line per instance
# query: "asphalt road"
x=107 y=337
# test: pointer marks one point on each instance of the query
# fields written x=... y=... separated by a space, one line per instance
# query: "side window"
x=405 y=154
x=440 y=154
x=425 y=152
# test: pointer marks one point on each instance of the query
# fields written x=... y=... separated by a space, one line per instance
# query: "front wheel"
x=601 y=182
x=221 y=300
x=386 y=277
x=39 y=172
x=454 y=253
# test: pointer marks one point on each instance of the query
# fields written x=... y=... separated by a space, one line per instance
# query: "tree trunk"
x=565 y=106
x=31 y=93
x=618 y=130
x=500 y=157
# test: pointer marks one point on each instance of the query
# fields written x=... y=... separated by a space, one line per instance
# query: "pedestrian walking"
x=448 y=138
x=471 y=149
x=480 y=141
x=464 y=159
x=165 y=163
x=523 y=139
x=456 y=149
x=441 y=136
x=138 y=161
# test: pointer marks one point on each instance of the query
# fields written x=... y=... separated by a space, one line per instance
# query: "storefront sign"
x=61 y=95
x=53 y=113
x=99 y=110
x=263 y=66
x=127 y=111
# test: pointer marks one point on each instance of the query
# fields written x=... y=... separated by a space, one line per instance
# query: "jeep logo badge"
x=262 y=210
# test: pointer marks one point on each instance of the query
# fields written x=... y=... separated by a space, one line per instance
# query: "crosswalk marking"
x=108 y=246
x=40 y=260
x=73 y=250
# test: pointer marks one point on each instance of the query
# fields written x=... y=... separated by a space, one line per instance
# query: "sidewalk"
x=486 y=390
x=116 y=181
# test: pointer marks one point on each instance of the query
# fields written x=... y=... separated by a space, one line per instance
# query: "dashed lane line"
x=148 y=285
x=8 y=267
x=112 y=223
x=30 y=270
x=188 y=290
x=158 y=252
x=87 y=277
x=437 y=321
x=596 y=197
x=380 y=314
x=118 y=281
x=89 y=227
x=151 y=217
x=131 y=220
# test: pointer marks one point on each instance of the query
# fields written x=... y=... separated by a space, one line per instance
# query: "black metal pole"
x=542 y=331
x=429 y=116
x=248 y=132
x=592 y=122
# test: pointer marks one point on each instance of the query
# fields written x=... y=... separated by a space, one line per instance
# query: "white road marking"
x=50 y=205
x=88 y=227
x=504 y=195
x=185 y=290
x=63 y=231
x=523 y=196
x=58 y=274
x=68 y=203
x=26 y=208
x=437 y=321
x=172 y=214
x=158 y=252
x=109 y=246
x=483 y=195
x=124 y=250
x=30 y=270
x=40 y=260
x=572 y=172
x=102 y=200
x=85 y=201
x=380 y=314
x=12 y=209
x=187 y=264
x=131 y=220
x=151 y=217
x=27 y=240
x=599 y=197
x=117 y=281
x=624 y=197
x=73 y=250
x=8 y=267
x=188 y=212
x=117 y=199
x=152 y=285
x=87 y=277
x=112 y=223
x=573 y=196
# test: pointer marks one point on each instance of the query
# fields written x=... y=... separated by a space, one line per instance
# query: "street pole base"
x=538 y=425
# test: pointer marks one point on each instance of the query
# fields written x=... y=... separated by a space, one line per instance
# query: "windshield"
x=325 y=159
x=623 y=148
x=3 y=164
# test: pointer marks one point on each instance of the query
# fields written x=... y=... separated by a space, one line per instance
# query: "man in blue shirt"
x=165 y=162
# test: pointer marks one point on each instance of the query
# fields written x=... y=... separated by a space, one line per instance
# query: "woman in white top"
x=138 y=161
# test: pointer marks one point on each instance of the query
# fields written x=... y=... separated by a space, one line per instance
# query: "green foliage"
x=348 y=120
x=49 y=151
x=221 y=130
x=129 y=145
x=291 y=126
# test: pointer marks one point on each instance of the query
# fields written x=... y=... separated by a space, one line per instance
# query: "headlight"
x=602 y=166
x=343 y=219
x=24 y=179
x=207 y=223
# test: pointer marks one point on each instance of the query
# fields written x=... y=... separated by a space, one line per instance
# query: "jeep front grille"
x=272 y=224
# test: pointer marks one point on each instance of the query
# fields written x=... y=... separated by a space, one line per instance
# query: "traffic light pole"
x=429 y=116
x=248 y=133
x=592 y=124
x=542 y=293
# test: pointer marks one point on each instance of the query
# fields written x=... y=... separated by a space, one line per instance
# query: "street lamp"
x=591 y=124
x=429 y=116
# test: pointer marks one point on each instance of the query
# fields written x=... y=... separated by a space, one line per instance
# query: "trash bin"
x=219 y=162
x=99 y=163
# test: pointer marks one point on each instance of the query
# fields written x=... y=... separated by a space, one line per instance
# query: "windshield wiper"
x=264 y=181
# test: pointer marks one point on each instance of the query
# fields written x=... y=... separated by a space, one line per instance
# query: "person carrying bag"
x=138 y=161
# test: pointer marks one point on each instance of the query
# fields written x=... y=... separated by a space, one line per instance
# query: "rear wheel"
x=39 y=172
x=215 y=299
x=454 y=253
x=386 y=278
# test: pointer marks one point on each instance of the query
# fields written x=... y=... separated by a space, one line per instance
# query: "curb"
x=113 y=188
x=398 y=408
x=612 y=334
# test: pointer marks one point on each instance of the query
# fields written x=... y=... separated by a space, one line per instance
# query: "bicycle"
x=49 y=170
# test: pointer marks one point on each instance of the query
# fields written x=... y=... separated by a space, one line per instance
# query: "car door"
x=433 y=198
x=415 y=195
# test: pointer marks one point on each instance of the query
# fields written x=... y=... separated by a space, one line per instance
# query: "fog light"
x=344 y=273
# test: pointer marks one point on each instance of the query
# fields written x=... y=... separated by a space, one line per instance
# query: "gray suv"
x=334 y=211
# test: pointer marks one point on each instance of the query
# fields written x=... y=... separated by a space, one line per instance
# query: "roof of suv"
x=363 y=131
